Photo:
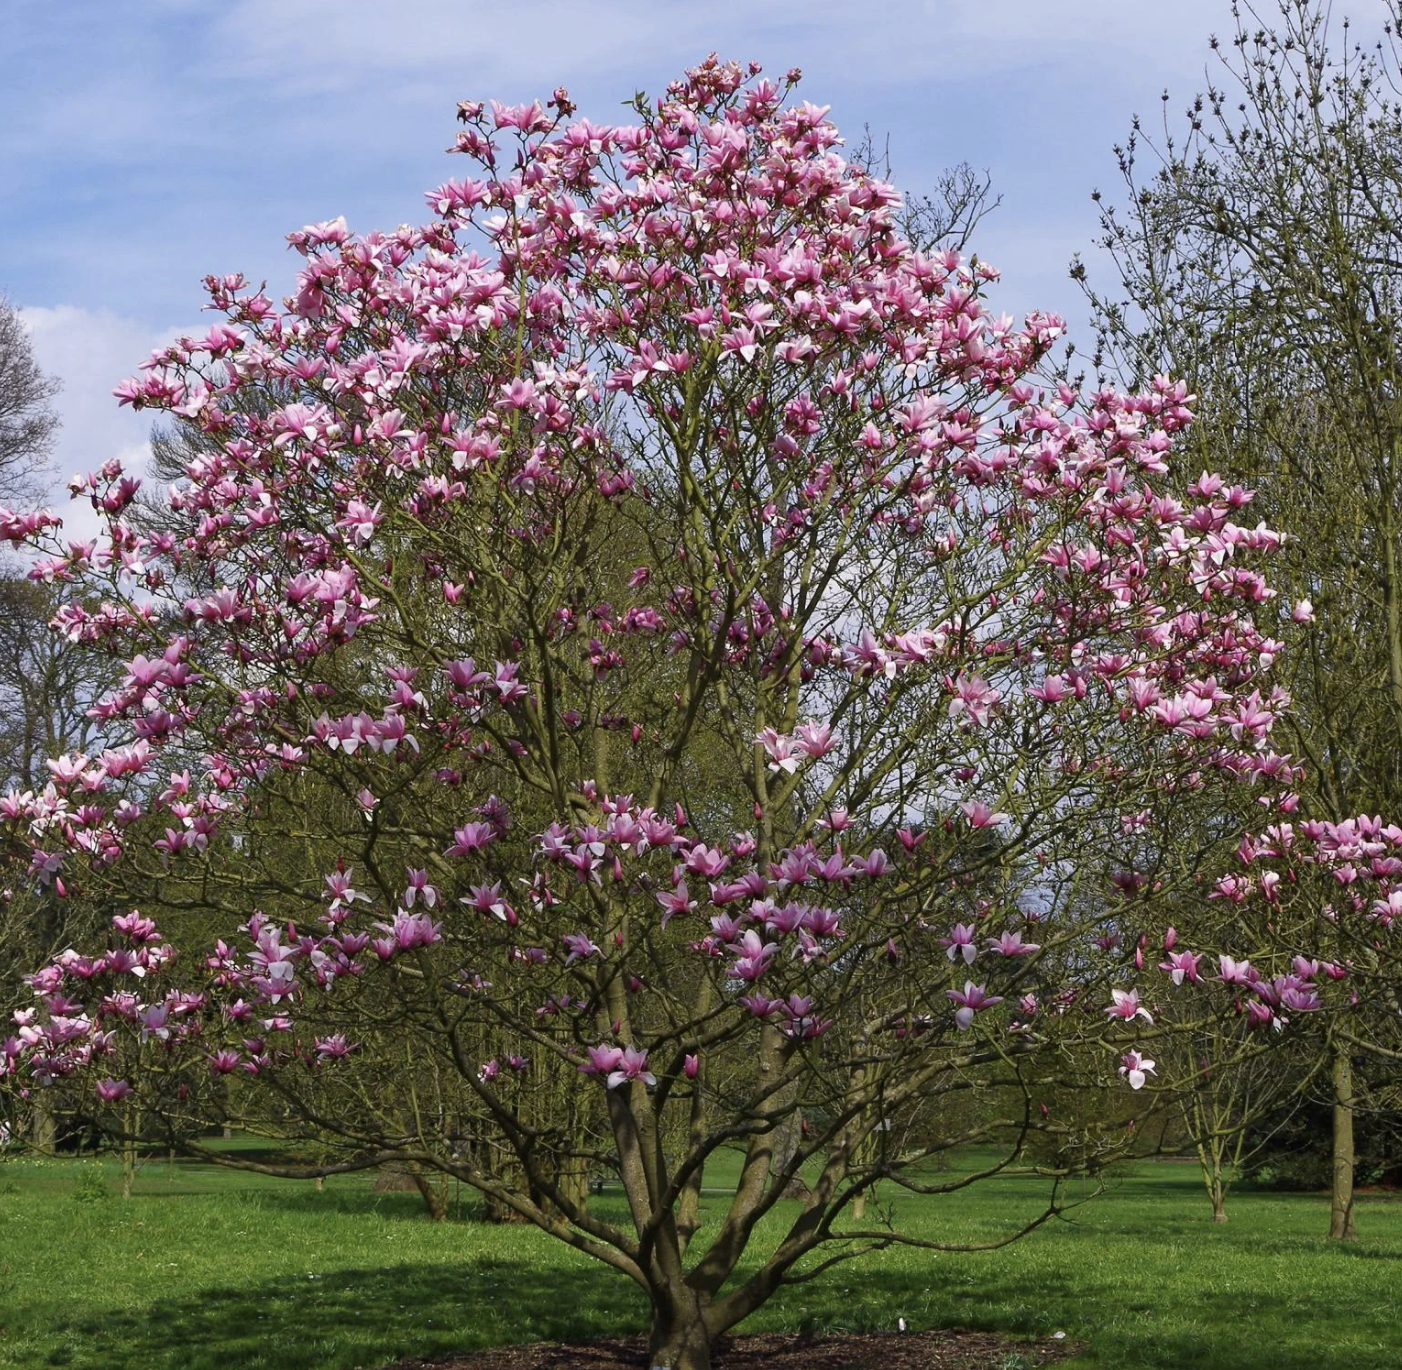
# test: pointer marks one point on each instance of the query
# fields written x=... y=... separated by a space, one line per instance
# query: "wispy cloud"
x=90 y=351
x=328 y=42
x=155 y=141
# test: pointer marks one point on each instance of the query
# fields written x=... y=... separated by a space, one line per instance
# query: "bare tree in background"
x=43 y=703
x=943 y=220
x=27 y=423
x=45 y=694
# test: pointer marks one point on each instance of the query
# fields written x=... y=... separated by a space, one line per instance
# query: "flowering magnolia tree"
x=652 y=642
x=1335 y=888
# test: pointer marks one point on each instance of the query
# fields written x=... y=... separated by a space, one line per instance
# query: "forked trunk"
x=788 y=1135
x=1341 y=1225
x=44 y=1127
x=679 y=1338
x=572 y=1178
x=128 y=1152
x=433 y=1189
x=1217 y=1190
x=689 y=1208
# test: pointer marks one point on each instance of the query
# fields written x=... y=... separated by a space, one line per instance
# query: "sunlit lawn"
x=211 y=1270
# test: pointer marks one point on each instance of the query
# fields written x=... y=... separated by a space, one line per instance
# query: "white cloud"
x=90 y=351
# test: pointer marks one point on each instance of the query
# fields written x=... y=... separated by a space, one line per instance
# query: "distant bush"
x=91 y=1186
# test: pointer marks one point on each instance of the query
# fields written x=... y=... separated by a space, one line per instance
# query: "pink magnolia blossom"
x=601 y=1060
x=411 y=930
x=1011 y=944
x=815 y=739
x=780 y=749
x=971 y=1000
x=630 y=1064
x=962 y=940
x=1235 y=972
x=1126 y=1005
x=1136 y=1069
x=1182 y=965
x=579 y=946
x=974 y=700
x=981 y=816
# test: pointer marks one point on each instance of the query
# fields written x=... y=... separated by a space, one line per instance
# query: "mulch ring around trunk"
x=953 y=1350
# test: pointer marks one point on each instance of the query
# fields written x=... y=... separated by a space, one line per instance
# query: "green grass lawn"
x=211 y=1270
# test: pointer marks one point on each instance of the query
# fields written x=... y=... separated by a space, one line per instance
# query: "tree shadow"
x=354 y=1318
x=299 y=1197
x=370 y=1317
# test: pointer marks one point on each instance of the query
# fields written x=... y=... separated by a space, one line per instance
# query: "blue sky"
x=150 y=142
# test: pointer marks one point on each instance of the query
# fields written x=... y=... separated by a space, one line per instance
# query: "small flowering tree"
x=1335 y=889
x=651 y=638
x=1301 y=920
x=1223 y=1075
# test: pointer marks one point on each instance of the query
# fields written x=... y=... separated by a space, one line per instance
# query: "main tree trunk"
x=679 y=1339
x=1341 y=1225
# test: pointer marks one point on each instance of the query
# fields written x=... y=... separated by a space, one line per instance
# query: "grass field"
x=206 y=1269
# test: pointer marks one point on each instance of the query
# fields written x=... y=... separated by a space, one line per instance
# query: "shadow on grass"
x=366 y=1318
x=352 y=1318
x=395 y=1204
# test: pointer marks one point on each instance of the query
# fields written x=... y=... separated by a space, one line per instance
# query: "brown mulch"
x=955 y=1350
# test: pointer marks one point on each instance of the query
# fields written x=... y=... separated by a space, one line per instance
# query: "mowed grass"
x=206 y=1269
